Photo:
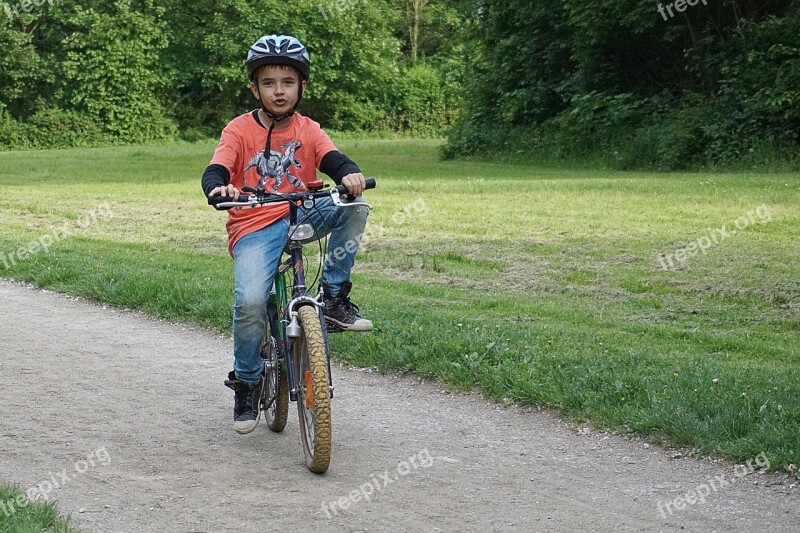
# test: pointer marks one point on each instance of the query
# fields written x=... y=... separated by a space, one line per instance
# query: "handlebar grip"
x=369 y=182
x=216 y=200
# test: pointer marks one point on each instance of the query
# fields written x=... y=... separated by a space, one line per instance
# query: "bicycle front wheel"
x=313 y=394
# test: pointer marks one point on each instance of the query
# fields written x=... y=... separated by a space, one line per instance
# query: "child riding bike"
x=278 y=149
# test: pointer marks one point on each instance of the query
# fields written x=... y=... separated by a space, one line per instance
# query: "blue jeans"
x=255 y=260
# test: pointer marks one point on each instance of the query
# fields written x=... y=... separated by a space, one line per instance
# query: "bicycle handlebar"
x=222 y=203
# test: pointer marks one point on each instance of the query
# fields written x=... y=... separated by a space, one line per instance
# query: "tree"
x=110 y=67
x=617 y=81
x=413 y=17
x=355 y=59
x=19 y=66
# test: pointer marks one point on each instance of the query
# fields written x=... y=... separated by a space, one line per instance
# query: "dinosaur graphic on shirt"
x=276 y=166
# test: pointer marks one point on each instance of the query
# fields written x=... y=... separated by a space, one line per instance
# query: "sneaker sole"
x=349 y=327
x=248 y=429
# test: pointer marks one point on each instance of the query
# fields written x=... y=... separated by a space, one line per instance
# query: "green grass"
x=538 y=285
x=19 y=515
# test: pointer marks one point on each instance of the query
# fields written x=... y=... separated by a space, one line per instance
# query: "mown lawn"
x=535 y=284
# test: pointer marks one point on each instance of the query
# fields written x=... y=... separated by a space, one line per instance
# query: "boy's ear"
x=254 y=89
x=305 y=84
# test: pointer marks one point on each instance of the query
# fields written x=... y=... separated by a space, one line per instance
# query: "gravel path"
x=129 y=417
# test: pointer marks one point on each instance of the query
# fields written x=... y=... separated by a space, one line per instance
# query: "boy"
x=278 y=67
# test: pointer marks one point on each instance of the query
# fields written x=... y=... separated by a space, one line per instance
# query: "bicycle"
x=296 y=356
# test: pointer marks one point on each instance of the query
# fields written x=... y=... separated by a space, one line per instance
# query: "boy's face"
x=279 y=86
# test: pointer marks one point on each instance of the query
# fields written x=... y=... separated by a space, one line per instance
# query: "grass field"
x=19 y=515
x=537 y=285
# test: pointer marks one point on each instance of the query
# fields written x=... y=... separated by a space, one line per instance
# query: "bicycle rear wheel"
x=313 y=393
x=275 y=399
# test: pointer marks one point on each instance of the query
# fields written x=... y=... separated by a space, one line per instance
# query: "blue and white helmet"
x=278 y=50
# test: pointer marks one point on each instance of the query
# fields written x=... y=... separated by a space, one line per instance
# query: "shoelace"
x=350 y=306
x=241 y=403
x=245 y=402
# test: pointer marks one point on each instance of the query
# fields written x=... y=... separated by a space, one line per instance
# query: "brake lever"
x=337 y=201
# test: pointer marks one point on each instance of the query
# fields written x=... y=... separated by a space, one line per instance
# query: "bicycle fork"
x=289 y=328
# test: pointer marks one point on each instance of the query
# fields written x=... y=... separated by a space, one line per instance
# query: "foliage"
x=421 y=101
x=612 y=82
x=18 y=514
x=110 y=71
x=131 y=71
x=615 y=82
x=83 y=74
x=19 y=65
x=350 y=78
x=54 y=128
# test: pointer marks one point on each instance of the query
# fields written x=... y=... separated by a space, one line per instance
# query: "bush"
x=52 y=128
x=622 y=133
x=420 y=101
x=670 y=139
x=56 y=128
x=356 y=116
x=467 y=137
x=595 y=120
x=12 y=133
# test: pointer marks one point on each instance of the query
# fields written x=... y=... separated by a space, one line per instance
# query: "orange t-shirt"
x=297 y=152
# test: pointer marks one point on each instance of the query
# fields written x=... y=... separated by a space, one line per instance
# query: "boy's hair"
x=257 y=72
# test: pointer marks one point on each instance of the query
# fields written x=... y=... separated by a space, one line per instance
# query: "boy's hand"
x=228 y=190
x=355 y=183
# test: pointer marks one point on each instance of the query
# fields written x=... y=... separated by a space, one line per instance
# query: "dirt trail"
x=129 y=416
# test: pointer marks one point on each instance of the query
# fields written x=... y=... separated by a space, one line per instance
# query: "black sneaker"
x=246 y=403
x=342 y=313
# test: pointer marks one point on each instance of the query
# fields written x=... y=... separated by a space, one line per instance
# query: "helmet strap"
x=275 y=119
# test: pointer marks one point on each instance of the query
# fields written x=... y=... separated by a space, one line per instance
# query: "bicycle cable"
x=320 y=262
